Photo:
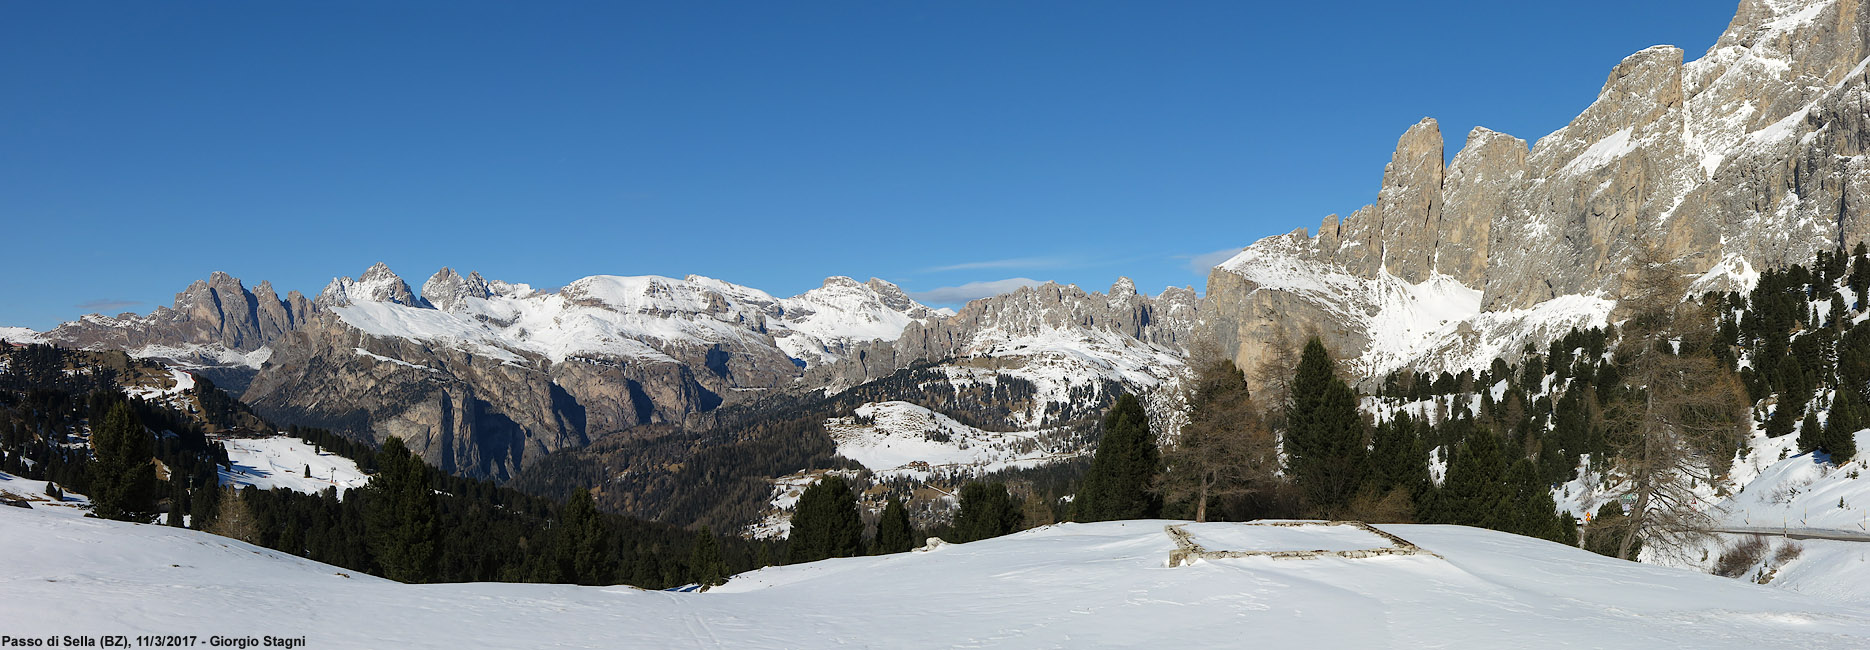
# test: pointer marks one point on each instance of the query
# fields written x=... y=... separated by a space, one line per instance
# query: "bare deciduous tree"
x=1225 y=448
x=235 y=518
x=1680 y=408
x=1272 y=377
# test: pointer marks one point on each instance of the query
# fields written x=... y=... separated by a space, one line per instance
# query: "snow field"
x=281 y=461
x=1070 y=585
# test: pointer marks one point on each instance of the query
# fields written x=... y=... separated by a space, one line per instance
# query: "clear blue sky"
x=934 y=144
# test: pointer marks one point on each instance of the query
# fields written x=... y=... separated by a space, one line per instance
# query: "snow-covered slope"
x=20 y=335
x=284 y=461
x=19 y=488
x=1074 y=585
x=903 y=439
x=1786 y=489
x=1431 y=326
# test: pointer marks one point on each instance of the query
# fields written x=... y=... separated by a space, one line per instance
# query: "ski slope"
x=1073 y=585
x=281 y=461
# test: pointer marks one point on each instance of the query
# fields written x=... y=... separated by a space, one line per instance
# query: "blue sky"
x=945 y=146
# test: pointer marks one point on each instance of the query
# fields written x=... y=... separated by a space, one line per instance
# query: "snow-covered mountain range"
x=481 y=376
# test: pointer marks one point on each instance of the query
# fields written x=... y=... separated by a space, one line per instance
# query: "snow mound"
x=1071 y=585
x=282 y=461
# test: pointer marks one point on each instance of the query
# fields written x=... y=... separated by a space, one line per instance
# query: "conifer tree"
x=704 y=562
x=1118 y=484
x=401 y=515
x=1398 y=459
x=1811 y=435
x=987 y=511
x=894 y=532
x=1475 y=492
x=826 y=523
x=1534 y=512
x=1325 y=433
x=1849 y=415
x=585 y=542
x=123 y=480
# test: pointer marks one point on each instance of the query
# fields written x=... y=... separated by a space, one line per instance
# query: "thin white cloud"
x=1202 y=262
x=102 y=305
x=1010 y=263
x=972 y=291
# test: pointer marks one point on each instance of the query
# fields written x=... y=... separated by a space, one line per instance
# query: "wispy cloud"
x=1202 y=262
x=1011 y=263
x=106 y=305
x=972 y=291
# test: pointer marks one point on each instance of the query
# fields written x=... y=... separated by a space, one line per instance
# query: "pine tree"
x=1475 y=492
x=585 y=542
x=1534 y=512
x=1398 y=459
x=1325 y=433
x=1849 y=415
x=987 y=511
x=826 y=523
x=123 y=480
x=401 y=515
x=178 y=498
x=1811 y=435
x=894 y=533
x=705 y=563
x=1118 y=484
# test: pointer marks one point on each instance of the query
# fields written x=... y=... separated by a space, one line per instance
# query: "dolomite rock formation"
x=1751 y=156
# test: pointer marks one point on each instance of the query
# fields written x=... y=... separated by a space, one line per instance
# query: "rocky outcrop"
x=378 y=284
x=1755 y=151
x=1068 y=343
x=215 y=327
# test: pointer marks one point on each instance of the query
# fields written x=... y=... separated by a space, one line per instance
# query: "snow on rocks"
x=20 y=335
x=636 y=317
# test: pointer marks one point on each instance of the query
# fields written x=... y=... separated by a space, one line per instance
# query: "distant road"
x=1800 y=533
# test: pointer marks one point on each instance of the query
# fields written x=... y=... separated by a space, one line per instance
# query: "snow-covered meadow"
x=1071 y=585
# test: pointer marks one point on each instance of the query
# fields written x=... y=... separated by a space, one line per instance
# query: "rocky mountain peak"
x=378 y=284
x=1123 y=287
x=893 y=296
x=446 y=289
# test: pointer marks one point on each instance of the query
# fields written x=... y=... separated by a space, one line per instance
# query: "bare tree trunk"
x=1201 y=501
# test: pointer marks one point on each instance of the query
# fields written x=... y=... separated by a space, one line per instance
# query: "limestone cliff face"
x=216 y=327
x=1754 y=152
